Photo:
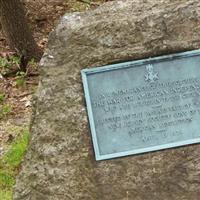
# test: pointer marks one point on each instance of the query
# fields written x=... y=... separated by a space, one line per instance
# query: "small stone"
x=50 y=56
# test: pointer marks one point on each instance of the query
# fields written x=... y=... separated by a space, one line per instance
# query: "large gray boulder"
x=60 y=163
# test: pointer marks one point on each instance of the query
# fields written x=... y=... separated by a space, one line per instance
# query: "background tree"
x=17 y=32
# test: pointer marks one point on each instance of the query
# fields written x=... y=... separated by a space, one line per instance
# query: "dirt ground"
x=15 y=101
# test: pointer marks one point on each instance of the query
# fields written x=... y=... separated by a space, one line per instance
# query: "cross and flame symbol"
x=151 y=76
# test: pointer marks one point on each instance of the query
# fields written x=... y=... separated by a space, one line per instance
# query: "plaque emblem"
x=150 y=75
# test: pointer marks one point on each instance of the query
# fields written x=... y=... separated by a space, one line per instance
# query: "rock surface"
x=59 y=163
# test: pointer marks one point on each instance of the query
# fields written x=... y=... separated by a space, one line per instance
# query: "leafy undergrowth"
x=9 y=165
x=7 y=62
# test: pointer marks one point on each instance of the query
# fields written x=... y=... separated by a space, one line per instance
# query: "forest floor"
x=16 y=92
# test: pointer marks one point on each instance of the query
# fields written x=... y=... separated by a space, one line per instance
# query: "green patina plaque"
x=146 y=105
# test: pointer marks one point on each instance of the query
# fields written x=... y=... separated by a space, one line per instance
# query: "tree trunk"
x=17 y=32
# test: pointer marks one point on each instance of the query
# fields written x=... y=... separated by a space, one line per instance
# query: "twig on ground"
x=23 y=95
x=89 y=2
x=10 y=73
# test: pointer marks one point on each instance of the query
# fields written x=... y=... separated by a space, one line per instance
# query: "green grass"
x=9 y=164
x=5 y=195
x=14 y=155
x=5 y=109
x=6 y=180
x=1 y=97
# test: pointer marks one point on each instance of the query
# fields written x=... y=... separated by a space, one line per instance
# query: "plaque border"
x=129 y=64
